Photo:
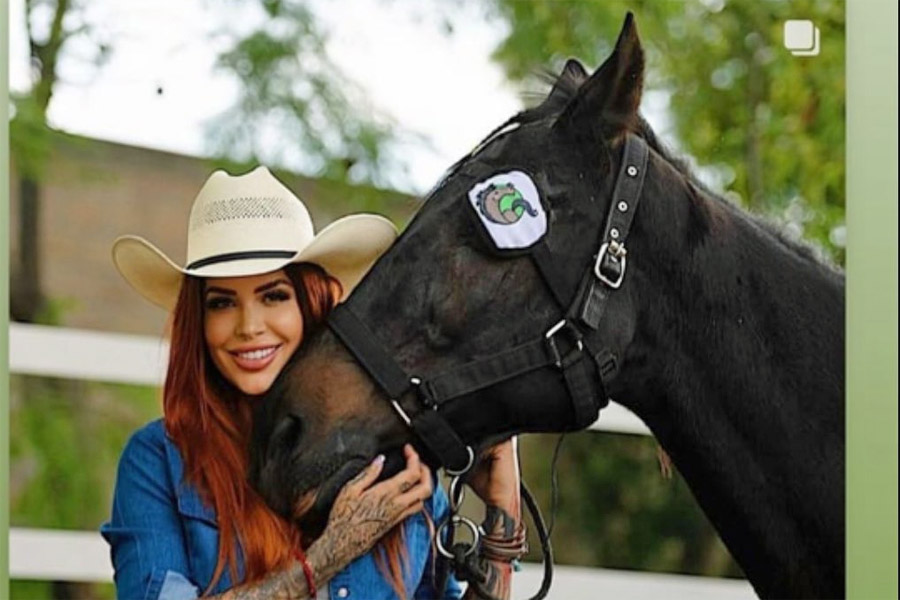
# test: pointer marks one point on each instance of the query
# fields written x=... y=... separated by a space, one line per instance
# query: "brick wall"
x=94 y=191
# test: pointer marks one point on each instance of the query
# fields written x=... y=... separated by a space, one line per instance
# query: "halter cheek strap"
x=429 y=427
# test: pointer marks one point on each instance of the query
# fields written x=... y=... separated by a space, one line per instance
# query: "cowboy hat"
x=249 y=225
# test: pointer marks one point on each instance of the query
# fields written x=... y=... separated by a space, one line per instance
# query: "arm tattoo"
x=499 y=523
x=352 y=531
x=282 y=585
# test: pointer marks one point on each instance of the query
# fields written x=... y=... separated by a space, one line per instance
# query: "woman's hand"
x=363 y=512
x=495 y=477
x=361 y=515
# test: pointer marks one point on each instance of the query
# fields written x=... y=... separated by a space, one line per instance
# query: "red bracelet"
x=307 y=571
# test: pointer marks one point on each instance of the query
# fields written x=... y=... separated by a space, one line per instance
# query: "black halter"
x=587 y=365
x=567 y=345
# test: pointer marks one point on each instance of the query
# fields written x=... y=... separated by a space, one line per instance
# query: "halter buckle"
x=611 y=255
x=558 y=359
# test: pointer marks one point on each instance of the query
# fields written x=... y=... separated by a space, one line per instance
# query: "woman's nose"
x=250 y=323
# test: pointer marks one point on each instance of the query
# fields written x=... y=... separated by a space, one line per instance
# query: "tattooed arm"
x=496 y=481
x=361 y=515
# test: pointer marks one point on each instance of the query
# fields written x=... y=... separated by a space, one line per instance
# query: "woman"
x=185 y=521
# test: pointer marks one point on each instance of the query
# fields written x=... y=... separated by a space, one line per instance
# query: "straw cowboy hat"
x=248 y=225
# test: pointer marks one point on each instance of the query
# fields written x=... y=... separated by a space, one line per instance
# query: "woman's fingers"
x=367 y=476
x=405 y=479
x=411 y=510
x=406 y=490
x=421 y=490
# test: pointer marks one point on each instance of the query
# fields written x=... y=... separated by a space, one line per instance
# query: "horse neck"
x=737 y=367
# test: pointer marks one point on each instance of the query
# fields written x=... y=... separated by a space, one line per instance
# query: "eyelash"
x=270 y=297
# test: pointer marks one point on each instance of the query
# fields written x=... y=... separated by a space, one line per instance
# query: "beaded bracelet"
x=494 y=547
x=307 y=572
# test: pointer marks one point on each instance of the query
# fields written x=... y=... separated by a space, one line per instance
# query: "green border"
x=4 y=299
x=872 y=299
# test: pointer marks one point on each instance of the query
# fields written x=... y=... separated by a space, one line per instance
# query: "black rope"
x=554 y=484
x=546 y=547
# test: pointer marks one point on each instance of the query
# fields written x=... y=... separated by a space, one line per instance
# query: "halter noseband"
x=565 y=345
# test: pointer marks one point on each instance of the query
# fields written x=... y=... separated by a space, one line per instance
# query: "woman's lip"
x=254 y=364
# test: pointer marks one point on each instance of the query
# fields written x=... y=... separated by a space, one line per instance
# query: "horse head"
x=448 y=294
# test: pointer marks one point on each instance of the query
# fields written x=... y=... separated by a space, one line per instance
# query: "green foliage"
x=65 y=442
x=294 y=105
x=617 y=511
x=767 y=126
x=29 y=136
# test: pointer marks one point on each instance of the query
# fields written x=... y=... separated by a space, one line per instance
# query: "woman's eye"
x=276 y=296
x=218 y=303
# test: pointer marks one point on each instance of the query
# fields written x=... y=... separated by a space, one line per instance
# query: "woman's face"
x=252 y=326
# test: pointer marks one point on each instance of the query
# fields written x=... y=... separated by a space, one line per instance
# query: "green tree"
x=51 y=27
x=766 y=125
x=295 y=106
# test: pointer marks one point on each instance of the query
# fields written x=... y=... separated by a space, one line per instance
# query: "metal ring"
x=465 y=469
x=476 y=535
x=631 y=170
x=452 y=491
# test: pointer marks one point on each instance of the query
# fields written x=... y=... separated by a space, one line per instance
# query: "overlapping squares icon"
x=801 y=37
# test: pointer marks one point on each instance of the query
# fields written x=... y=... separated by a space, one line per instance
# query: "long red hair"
x=210 y=422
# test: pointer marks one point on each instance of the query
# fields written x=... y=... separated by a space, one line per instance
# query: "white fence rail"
x=102 y=356
x=83 y=556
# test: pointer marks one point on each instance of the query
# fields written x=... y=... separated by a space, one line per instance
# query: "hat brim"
x=346 y=249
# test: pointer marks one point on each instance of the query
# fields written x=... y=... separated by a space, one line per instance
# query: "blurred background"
x=120 y=110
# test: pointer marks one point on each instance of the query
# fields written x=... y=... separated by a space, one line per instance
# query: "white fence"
x=83 y=556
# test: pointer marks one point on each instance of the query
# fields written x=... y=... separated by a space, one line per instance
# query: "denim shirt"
x=164 y=540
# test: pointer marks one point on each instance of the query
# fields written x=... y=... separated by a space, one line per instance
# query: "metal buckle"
x=617 y=251
x=551 y=341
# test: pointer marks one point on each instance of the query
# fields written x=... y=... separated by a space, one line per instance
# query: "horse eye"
x=440 y=332
x=436 y=338
x=286 y=435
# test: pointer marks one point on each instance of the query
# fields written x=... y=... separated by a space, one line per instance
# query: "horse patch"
x=509 y=206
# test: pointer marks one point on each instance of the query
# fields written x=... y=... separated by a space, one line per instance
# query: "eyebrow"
x=264 y=287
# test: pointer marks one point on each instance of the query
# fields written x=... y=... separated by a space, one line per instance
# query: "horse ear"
x=608 y=101
x=565 y=84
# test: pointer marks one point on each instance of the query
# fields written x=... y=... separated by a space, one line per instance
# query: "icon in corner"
x=801 y=37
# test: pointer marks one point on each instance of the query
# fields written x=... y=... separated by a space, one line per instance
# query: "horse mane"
x=564 y=88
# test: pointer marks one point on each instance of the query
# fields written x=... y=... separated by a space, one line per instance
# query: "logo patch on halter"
x=509 y=206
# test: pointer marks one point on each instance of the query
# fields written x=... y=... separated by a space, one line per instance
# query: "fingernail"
x=378 y=459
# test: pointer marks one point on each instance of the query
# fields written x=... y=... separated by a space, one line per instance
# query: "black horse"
x=722 y=335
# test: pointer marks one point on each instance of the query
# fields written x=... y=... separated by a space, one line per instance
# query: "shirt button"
x=343 y=592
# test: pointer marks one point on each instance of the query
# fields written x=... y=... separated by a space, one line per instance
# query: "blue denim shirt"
x=164 y=540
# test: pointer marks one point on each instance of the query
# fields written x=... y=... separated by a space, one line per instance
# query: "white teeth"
x=257 y=354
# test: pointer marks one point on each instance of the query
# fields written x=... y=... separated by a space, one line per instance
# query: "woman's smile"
x=255 y=359
x=252 y=326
